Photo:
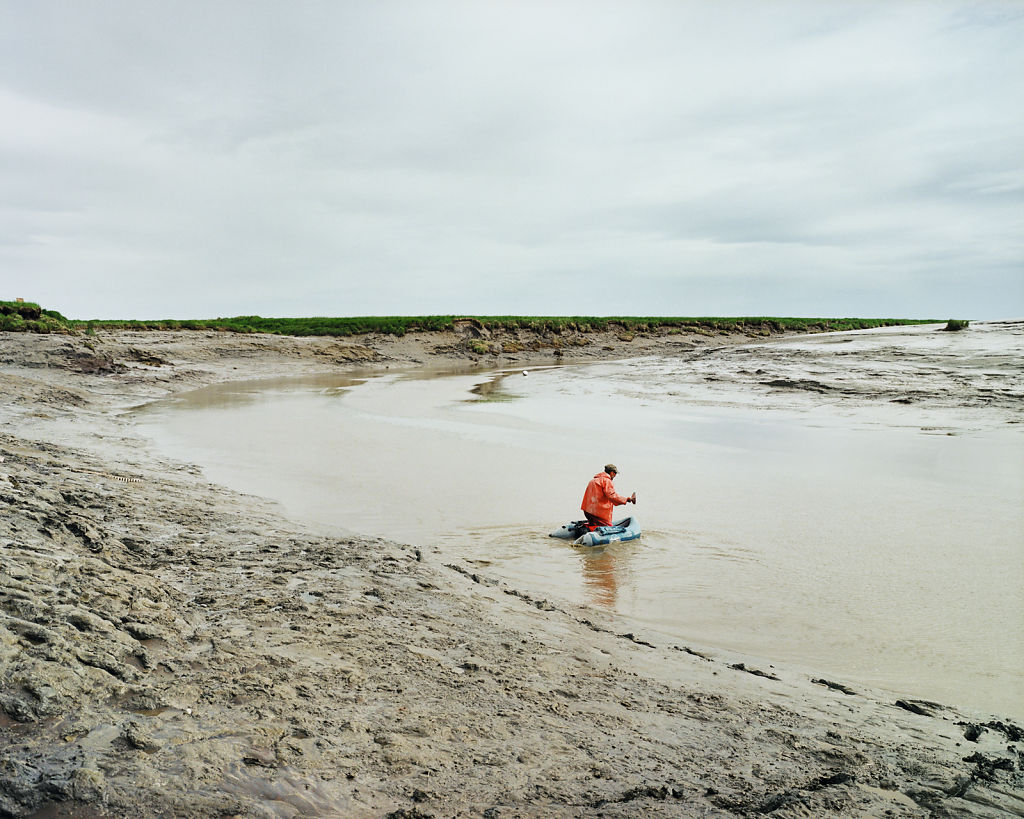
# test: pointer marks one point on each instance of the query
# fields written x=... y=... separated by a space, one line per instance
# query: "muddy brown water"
x=848 y=505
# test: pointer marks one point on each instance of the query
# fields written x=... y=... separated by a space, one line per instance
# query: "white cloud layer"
x=196 y=159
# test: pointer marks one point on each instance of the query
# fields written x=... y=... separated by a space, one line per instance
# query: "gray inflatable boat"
x=580 y=533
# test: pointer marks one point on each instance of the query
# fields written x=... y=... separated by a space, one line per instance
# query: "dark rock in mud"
x=921 y=707
x=96 y=365
x=755 y=671
x=973 y=730
x=985 y=768
x=145 y=357
x=798 y=384
x=834 y=686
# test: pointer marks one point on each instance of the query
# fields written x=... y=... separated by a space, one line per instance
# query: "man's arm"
x=616 y=498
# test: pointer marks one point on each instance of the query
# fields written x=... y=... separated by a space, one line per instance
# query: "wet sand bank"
x=169 y=647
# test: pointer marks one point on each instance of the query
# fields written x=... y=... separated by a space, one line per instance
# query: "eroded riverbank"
x=173 y=648
x=841 y=522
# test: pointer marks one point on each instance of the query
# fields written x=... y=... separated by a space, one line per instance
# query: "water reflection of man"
x=599 y=577
x=601 y=498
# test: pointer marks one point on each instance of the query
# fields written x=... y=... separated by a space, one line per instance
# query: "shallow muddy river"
x=847 y=504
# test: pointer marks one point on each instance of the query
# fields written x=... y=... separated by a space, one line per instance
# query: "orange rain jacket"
x=601 y=497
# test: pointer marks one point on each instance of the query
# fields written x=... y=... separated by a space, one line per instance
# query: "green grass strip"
x=30 y=317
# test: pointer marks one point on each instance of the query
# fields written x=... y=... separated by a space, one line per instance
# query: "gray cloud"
x=197 y=159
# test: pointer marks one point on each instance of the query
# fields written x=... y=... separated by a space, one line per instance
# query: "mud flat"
x=171 y=648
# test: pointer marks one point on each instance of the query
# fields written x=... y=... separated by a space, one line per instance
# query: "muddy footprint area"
x=922 y=368
x=171 y=648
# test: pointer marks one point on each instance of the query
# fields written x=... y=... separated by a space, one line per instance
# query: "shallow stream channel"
x=848 y=505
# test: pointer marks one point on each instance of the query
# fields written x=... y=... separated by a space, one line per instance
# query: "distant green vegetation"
x=30 y=317
x=400 y=325
x=956 y=325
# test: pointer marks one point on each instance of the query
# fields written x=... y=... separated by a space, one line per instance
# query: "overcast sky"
x=200 y=159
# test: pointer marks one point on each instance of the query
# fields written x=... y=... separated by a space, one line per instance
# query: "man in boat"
x=601 y=497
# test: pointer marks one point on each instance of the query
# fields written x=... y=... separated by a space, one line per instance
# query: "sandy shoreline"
x=172 y=648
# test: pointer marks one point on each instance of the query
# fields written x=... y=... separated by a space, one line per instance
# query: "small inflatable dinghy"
x=580 y=533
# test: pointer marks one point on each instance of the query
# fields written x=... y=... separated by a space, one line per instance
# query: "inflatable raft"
x=580 y=534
